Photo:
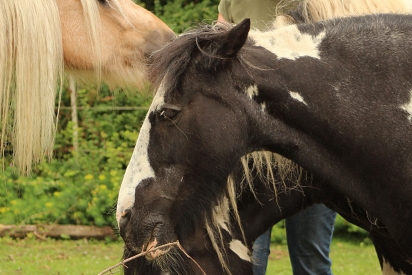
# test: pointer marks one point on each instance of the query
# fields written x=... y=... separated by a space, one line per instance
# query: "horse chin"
x=171 y=262
x=149 y=238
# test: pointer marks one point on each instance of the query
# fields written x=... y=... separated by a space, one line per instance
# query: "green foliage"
x=181 y=15
x=278 y=235
x=345 y=228
x=78 y=187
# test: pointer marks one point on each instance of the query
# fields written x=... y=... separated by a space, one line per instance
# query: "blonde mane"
x=315 y=10
x=31 y=68
x=92 y=18
x=323 y=10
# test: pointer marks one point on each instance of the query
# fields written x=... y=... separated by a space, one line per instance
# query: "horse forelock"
x=92 y=18
x=199 y=45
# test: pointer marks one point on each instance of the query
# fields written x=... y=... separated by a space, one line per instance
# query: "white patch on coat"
x=408 y=107
x=298 y=97
x=264 y=107
x=139 y=167
x=288 y=42
x=241 y=250
x=252 y=91
x=387 y=269
x=221 y=214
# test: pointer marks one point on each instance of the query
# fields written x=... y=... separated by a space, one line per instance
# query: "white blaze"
x=288 y=42
x=139 y=167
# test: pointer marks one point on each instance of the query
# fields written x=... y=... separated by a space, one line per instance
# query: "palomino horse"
x=103 y=40
x=332 y=96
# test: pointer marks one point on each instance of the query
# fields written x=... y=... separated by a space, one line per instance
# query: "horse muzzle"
x=142 y=235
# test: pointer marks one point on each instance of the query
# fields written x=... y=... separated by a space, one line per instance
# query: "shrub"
x=78 y=187
x=181 y=15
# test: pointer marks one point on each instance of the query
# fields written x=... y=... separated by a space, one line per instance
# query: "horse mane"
x=31 y=72
x=319 y=10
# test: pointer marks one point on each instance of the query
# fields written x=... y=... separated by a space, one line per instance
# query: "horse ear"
x=235 y=39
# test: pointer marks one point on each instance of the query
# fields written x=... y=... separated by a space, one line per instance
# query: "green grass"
x=349 y=257
x=51 y=257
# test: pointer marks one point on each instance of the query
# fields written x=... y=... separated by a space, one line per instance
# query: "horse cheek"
x=77 y=48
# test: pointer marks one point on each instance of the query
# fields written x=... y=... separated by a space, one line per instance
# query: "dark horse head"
x=335 y=97
x=157 y=206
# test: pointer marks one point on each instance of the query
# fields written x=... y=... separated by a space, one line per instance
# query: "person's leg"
x=261 y=250
x=309 y=234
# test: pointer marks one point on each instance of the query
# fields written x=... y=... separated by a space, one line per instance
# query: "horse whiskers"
x=173 y=261
x=165 y=263
x=122 y=263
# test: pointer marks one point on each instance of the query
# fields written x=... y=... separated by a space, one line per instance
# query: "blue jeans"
x=309 y=234
x=261 y=250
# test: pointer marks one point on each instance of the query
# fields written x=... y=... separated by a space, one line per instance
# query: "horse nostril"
x=124 y=220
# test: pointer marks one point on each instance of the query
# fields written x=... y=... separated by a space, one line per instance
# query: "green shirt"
x=260 y=12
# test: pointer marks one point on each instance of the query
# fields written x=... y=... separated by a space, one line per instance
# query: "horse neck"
x=278 y=122
x=298 y=121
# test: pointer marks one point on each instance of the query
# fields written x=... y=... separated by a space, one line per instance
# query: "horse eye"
x=166 y=114
x=103 y=1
